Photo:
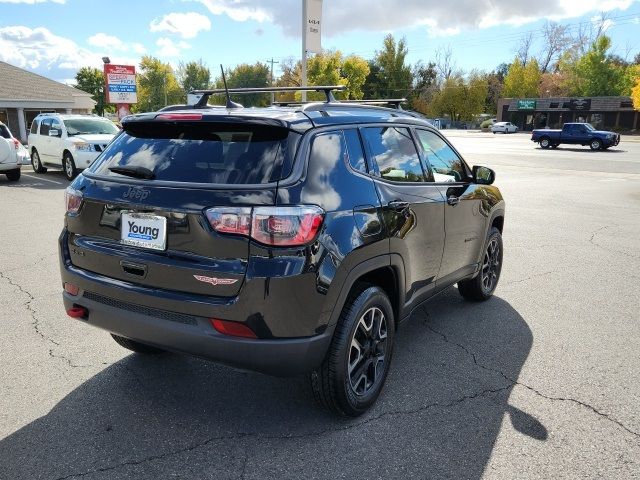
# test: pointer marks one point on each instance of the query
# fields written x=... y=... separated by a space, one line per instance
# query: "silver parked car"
x=504 y=127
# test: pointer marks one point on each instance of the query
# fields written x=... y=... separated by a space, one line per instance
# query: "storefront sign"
x=578 y=104
x=526 y=104
x=312 y=28
x=120 y=83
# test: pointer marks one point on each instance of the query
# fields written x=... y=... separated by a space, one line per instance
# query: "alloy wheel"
x=367 y=351
x=68 y=167
x=491 y=265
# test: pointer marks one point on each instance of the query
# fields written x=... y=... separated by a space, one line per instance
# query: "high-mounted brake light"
x=72 y=200
x=180 y=116
x=275 y=226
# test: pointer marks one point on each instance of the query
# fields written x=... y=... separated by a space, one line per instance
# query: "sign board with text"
x=120 y=84
x=526 y=104
x=313 y=26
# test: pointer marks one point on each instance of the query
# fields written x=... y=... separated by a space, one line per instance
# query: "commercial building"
x=24 y=94
x=607 y=113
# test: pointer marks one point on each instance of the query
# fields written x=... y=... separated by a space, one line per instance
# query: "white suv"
x=10 y=159
x=69 y=141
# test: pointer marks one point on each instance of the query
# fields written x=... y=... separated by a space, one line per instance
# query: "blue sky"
x=55 y=37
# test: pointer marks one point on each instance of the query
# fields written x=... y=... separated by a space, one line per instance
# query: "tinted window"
x=394 y=152
x=46 y=126
x=34 y=126
x=56 y=125
x=354 y=147
x=199 y=153
x=4 y=132
x=445 y=164
x=96 y=126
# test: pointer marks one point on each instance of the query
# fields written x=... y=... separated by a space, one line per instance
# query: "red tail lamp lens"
x=286 y=226
x=72 y=200
x=71 y=289
x=78 y=312
x=230 y=220
x=233 y=329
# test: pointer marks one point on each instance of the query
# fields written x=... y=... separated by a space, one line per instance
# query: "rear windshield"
x=236 y=154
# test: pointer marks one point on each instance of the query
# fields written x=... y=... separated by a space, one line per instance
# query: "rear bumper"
x=282 y=357
x=9 y=166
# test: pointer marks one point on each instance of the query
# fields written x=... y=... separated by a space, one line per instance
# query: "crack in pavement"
x=530 y=277
x=515 y=382
x=608 y=248
x=319 y=433
x=36 y=322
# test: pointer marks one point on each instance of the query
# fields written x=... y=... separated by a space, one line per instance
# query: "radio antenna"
x=230 y=103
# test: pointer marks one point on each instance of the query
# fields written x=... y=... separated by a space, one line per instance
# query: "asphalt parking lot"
x=542 y=381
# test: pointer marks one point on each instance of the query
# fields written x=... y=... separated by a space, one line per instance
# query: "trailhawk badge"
x=214 y=280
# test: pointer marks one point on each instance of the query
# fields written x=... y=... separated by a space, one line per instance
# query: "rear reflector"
x=185 y=117
x=233 y=329
x=71 y=289
x=78 y=312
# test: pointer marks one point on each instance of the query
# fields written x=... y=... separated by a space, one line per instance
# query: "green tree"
x=635 y=94
x=393 y=77
x=325 y=69
x=193 y=76
x=596 y=73
x=460 y=98
x=522 y=80
x=355 y=71
x=248 y=76
x=91 y=80
x=157 y=85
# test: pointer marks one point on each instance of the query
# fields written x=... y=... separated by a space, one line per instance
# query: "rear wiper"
x=135 y=172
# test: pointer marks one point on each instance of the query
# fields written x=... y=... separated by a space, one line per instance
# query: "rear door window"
x=46 y=126
x=4 y=132
x=204 y=152
x=34 y=126
x=394 y=153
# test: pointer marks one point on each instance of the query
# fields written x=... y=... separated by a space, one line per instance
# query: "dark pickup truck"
x=576 y=134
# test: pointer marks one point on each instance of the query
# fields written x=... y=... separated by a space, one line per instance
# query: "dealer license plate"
x=144 y=230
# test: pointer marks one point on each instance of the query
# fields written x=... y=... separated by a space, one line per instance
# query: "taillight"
x=286 y=226
x=230 y=220
x=276 y=226
x=16 y=143
x=72 y=200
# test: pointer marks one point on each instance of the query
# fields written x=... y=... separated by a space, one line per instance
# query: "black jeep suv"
x=284 y=240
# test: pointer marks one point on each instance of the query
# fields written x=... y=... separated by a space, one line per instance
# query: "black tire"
x=554 y=145
x=69 y=166
x=13 y=175
x=482 y=286
x=595 y=144
x=136 y=346
x=36 y=163
x=333 y=382
x=545 y=142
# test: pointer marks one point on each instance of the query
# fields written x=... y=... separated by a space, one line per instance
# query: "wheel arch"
x=385 y=272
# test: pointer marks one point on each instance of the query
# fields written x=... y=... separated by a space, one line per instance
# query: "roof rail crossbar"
x=327 y=89
x=392 y=102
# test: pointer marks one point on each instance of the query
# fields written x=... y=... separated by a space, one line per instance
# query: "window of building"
x=394 y=153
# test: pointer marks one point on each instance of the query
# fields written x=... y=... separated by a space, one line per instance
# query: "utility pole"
x=273 y=95
x=304 y=49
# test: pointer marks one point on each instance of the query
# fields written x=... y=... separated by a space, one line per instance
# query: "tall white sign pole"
x=305 y=28
x=311 y=34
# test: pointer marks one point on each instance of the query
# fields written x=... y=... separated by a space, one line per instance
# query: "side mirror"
x=483 y=175
x=54 y=133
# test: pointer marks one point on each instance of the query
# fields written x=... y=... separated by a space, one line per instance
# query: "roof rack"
x=385 y=102
x=327 y=89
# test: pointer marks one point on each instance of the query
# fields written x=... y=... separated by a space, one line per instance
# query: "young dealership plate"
x=144 y=230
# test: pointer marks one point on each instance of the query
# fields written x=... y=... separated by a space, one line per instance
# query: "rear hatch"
x=145 y=203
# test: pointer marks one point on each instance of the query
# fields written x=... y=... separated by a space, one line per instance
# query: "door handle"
x=453 y=201
x=398 y=205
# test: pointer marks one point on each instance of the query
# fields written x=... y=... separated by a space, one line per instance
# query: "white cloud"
x=187 y=25
x=440 y=17
x=138 y=48
x=169 y=48
x=102 y=40
x=51 y=55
